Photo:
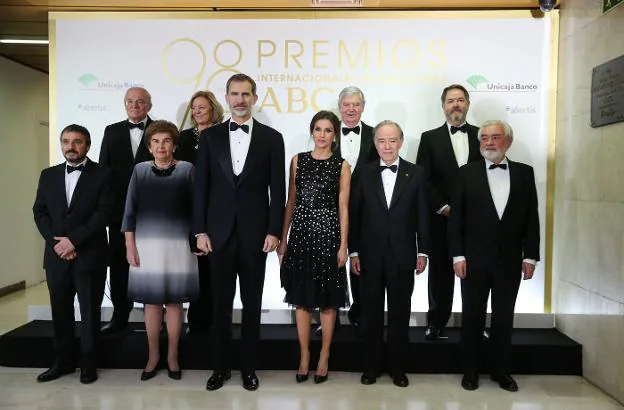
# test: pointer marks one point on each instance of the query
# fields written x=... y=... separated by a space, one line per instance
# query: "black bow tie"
x=501 y=166
x=392 y=168
x=234 y=126
x=139 y=125
x=71 y=169
x=346 y=130
x=463 y=128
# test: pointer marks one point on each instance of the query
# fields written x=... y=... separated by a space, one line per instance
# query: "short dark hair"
x=79 y=129
x=240 y=77
x=161 y=126
x=331 y=117
x=455 y=87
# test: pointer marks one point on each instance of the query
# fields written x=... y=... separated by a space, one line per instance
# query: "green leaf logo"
x=475 y=80
x=87 y=79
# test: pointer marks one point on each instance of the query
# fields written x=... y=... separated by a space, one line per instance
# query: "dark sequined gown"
x=309 y=272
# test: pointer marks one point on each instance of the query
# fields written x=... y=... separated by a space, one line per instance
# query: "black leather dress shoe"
x=300 y=378
x=470 y=381
x=432 y=332
x=368 y=378
x=145 y=375
x=113 y=326
x=88 y=375
x=218 y=378
x=54 y=373
x=506 y=382
x=174 y=374
x=400 y=379
x=250 y=381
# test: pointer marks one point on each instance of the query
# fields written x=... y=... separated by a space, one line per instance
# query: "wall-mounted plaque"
x=607 y=93
x=609 y=4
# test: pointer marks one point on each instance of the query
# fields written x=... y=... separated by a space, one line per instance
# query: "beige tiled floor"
x=121 y=389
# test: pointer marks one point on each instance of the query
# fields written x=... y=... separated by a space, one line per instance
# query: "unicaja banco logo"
x=481 y=84
x=87 y=79
x=476 y=80
x=90 y=82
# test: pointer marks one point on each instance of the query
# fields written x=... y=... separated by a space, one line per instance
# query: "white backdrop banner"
x=401 y=61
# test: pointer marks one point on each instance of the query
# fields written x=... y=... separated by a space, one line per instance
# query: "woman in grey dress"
x=156 y=223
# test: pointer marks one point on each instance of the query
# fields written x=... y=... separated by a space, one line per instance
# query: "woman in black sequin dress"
x=313 y=256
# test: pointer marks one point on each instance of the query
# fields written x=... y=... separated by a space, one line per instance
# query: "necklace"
x=163 y=172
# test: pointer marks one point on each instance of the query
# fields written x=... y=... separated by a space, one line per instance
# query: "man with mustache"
x=121 y=150
x=441 y=152
x=495 y=241
x=73 y=205
x=238 y=211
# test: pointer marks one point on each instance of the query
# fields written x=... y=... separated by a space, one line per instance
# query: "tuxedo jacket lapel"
x=59 y=186
x=514 y=180
x=222 y=146
x=365 y=145
x=127 y=143
x=489 y=205
x=399 y=185
x=379 y=188
x=473 y=145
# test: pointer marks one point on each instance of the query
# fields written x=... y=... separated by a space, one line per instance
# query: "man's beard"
x=494 y=156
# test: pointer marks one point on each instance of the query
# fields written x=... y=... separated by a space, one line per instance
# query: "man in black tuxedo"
x=388 y=241
x=238 y=212
x=121 y=150
x=73 y=204
x=357 y=148
x=441 y=152
x=495 y=240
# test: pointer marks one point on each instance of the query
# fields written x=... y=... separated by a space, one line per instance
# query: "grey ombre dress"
x=158 y=211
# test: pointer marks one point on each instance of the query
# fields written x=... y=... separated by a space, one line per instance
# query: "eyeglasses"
x=138 y=102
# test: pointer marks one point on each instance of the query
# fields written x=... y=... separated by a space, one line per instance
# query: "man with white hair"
x=121 y=150
x=356 y=146
x=495 y=241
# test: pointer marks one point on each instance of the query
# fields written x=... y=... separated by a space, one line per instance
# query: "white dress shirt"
x=459 y=141
x=71 y=180
x=498 y=181
x=388 y=179
x=136 y=135
x=350 y=145
x=239 y=146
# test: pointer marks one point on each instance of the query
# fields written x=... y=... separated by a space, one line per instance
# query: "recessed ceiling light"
x=23 y=41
